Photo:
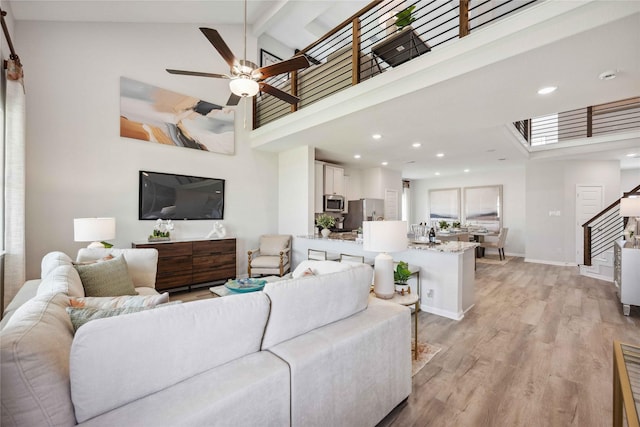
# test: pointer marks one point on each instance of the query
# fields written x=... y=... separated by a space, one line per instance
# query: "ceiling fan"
x=246 y=77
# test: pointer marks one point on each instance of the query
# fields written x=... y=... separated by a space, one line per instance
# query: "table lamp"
x=94 y=230
x=384 y=237
x=630 y=206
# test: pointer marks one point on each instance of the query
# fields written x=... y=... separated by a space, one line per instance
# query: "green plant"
x=404 y=17
x=158 y=233
x=443 y=225
x=402 y=273
x=456 y=224
x=325 y=221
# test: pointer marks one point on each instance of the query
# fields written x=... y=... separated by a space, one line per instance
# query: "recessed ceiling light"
x=466 y=170
x=440 y=155
x=357 y=156
x=416 y=145
x=632 y=155
x=502 y=158
x=438 y=173
x=376 y=136
x=384 y=163
x=607 y=75
x=547 y=90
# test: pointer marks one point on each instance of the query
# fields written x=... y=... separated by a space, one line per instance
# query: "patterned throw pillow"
x=106 y=279
x=80 y=316
x=120 y=301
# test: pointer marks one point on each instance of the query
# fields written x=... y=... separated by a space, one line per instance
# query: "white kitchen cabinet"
x=333 y=180
x=319 y=187
x=626 y=274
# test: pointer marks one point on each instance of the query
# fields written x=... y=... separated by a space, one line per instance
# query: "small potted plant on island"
x=443 y=225
x=401 y=276
x=325 y=222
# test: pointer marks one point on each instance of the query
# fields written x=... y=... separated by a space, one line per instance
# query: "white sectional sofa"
x=312 y=351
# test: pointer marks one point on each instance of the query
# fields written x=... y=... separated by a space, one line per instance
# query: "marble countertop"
x=446 y=246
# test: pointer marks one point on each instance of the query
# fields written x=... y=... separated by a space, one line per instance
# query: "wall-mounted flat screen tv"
x=172 y=196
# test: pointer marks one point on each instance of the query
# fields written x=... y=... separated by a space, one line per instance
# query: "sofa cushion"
x=273 y=244
x=301 y=305
x=178 y=341
x=25 y=293
x=319 y=267
x=62 y=279
x=34 y=364
x=268 y=261
x=107 y=278
x=52 y=260
x=142 y=262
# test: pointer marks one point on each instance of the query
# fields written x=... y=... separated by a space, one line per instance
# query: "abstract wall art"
x=444 y=204
x=158 y=115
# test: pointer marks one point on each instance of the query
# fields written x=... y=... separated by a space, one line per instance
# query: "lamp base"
x=383 y=285
x=96 y=245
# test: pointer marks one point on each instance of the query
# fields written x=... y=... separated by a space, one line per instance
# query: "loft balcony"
x=381 y=37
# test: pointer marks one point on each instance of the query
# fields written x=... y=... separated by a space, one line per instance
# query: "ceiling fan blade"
x=197 y=73
x=286 y=97
x=216 y=40
x=285 y=66
x=233 y=100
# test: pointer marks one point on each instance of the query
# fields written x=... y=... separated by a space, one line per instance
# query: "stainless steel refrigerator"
x=363 y=210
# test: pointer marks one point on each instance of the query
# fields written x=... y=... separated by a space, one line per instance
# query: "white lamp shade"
x=244 y=87
x=630 y=206
x=94 y=229
x=384 y=236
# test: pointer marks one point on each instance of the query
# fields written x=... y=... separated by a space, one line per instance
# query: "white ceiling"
x=463 y=116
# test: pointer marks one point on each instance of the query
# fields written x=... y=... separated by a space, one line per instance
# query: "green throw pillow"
x=106 y=279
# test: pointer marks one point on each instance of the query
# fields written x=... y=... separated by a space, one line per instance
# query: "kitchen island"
x=447 y=270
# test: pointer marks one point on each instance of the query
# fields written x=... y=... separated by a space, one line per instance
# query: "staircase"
x=600 y=232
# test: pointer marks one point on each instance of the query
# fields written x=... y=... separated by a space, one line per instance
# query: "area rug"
x=425 y=354
x=493 y=259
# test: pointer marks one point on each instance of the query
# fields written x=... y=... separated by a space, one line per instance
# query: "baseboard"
x=559 y=263
x=596 y=276
x=440 y=312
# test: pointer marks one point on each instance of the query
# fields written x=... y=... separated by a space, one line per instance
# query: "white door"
x=589 y=203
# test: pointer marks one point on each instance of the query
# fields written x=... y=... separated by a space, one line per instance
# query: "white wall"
x=513 y=188
x=375 y=181
x=629 y=179
x=296 y=182
x=551 y=186
x=78 y=165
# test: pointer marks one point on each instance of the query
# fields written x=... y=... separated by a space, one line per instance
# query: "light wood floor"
x=535 y=350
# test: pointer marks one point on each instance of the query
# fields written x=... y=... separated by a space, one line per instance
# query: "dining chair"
x=351 y=258
x=316 y=255
x=499 y=244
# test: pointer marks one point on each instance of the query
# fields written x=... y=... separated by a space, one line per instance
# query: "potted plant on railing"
x=405 y=17
x=325 y=222
x=401 y=276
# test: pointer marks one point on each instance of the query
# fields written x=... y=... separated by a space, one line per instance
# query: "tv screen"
x=171 y=196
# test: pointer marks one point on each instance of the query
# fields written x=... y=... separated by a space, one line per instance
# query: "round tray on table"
x=245 y=285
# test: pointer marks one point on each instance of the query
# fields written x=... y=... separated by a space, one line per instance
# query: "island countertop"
x=444 y=246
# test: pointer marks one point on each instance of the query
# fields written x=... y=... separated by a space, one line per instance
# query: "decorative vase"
x=325 y=232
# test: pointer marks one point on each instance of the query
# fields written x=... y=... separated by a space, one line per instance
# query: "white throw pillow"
x=320 y=267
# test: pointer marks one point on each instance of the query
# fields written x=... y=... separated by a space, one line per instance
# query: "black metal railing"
x=601 y=231
x=371 y=42
x=612 y=117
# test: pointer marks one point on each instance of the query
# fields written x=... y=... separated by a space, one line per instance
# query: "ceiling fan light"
x=244 y=87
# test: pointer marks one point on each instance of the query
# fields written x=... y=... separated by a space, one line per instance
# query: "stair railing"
x=603 y=229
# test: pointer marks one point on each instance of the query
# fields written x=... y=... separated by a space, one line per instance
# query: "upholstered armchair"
x=502 y=237
x=272 y=257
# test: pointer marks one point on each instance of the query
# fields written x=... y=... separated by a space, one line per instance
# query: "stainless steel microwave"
x=333 y=203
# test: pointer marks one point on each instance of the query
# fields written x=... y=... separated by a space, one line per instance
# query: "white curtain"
x=14 y=215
